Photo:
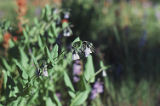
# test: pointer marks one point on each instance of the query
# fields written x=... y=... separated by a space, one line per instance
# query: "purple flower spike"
x=77 y=69
x=76 y=78
x=93 y=94
x=97 y=88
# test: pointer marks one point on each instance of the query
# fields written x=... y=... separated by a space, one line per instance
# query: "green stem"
x=100 y=70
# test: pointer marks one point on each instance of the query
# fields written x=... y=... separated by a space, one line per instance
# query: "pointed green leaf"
x=6 y=64
x=49 y=56
x=49 y=102
x=76 y=40
x=40 y=42
x=22 y=71
x=25 y=35
x=35 y=61
x=80 y=98
x=24 y=58
x=89 y=70
x=68 y=83
x=54 y=52
x=5 y=78
x=57 y=100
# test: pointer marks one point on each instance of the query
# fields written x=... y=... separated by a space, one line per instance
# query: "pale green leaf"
x=89 y=70
x=80 y=98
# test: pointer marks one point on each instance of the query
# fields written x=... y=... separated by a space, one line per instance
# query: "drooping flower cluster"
x=85 y=48
x=67 y=32
x=97 y=89
x=42 y=72
x=75 y=56
x=77 y=70
x=87 y=51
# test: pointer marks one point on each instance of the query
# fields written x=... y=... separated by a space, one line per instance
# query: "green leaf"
x=36 y=21
x=72 y=94
x=22 y=71
x=25 y=35
x=64 y=25
x=57 y=100
x=83 y=85
x=11 y=44
x=43 y=13
x=5 y=78
x=49 y=102
x=33 y=97
x=80 y=98
x=76 y=40
x=22 y=102
x=101 y=64
x=68 y=83
x=40 y=42
x=49 y=56
x=47 y=12
x=35 y=61
x=24 y=58
x=89 y=72
x=6 y=64
x=53 y=26
x=54 y=52
x=116 y=34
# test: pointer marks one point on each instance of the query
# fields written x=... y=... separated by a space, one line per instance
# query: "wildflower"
x=38 y=72
x=45 y=72
x=77 y=69
x=15 y=38
x=66 y=15
x=97 y=88
x=93 y=94
x=55 y=11
x=76 y=78
x=104 y=74
x=6 y=38
x=22 y=10
x=87 y=51
x=75 y=56
x=67 y=33
x=64 y=20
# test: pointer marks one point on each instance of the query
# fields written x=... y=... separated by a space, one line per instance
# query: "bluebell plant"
x=40 y=64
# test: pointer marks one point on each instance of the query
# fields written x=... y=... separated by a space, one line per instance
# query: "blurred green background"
x=125 y=34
